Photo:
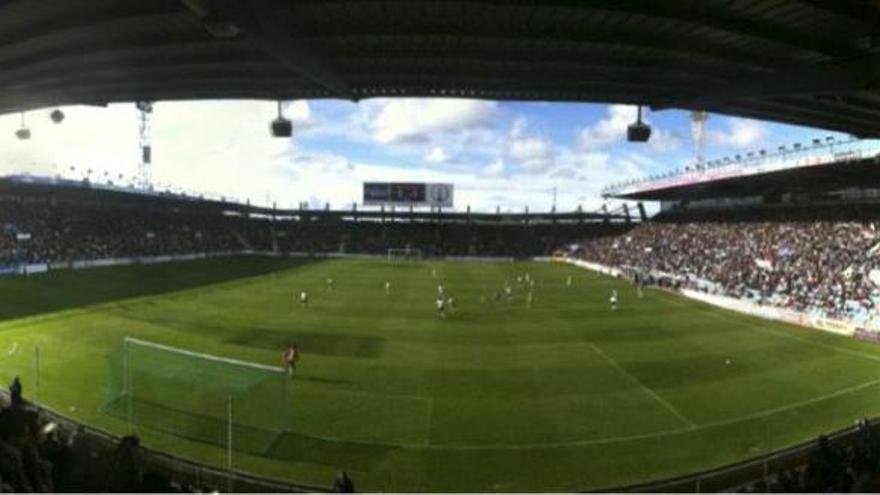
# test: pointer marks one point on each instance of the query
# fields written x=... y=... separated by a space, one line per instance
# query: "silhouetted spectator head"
x=343 y=483
x=15 y=391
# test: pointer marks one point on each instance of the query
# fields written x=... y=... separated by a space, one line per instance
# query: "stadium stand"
x=814 y=260
x=49 y=222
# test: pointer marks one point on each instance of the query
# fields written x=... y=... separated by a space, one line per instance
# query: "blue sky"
x=509 y=154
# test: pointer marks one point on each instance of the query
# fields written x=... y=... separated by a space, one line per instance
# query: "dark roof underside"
x=808 y=62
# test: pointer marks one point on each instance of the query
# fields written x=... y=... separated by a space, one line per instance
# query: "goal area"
x=236 y=404
x=404 y=254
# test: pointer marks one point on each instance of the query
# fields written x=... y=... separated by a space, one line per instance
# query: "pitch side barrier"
x=735 y=476
x=818 y=322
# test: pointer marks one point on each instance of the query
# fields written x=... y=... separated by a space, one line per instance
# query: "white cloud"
x=519 y=127
x=300 y=114
x=101 y=139
x=534 y=154
x=495 y=169
x=412 y=120
x=436 y=155
x=663 y=141
x=224 y=147
x=612 y=129
x=741 y=133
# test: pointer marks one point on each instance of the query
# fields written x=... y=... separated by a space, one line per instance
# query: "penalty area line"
x=609 y=440
x=654 y=395
x=427 y=442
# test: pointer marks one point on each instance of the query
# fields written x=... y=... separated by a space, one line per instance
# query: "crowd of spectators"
x=854 y=468
x=46 y=229
x=39 y=455
x=816 y=266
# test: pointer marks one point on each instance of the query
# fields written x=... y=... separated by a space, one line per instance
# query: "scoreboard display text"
x=408 y=193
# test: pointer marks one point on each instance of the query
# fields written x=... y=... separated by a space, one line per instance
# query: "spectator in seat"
x=127 y=473
x=343 y=483
x=15 y=391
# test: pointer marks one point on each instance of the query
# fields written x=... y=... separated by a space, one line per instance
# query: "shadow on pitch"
x=67 y=289
x=212 y=429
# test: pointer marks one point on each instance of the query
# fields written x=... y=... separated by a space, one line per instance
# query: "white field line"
x=208 y=357
x=766 y=327
x=428 y=422
x=611 y=361
x=613 y=440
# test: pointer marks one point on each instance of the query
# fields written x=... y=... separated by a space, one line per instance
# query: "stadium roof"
x=817 y=177
x=808 y=62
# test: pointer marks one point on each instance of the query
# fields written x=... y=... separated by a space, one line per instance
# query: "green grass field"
x=566 y=395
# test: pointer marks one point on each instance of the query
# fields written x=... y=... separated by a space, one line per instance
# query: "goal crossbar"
x=208 y=357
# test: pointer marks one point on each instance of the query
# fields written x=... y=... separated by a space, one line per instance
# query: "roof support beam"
x=263 y=24
x=858 y=11
x=707 y=14
x=855 y=74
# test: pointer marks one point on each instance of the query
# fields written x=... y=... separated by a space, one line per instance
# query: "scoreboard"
x=408 y=193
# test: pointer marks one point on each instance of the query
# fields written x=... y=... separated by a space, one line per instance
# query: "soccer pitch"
x=565 y=395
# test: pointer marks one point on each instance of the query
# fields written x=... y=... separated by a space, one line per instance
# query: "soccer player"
x=387 y=288
x=304 y=298
x=613 y=300
x=508 y=291
x=290 y=356
x=451 y=303
x=441 y=307
x=530 y=298
x=568 y=281
x=440 y=289
x=329 y=284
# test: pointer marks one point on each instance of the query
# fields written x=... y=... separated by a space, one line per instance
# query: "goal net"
x=236 y=404
x=404 y=254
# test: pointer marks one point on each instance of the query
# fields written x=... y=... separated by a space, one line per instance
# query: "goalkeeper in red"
x=290 y=357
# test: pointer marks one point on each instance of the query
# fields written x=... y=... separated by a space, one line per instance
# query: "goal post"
x=189 y=394
x=404 y=254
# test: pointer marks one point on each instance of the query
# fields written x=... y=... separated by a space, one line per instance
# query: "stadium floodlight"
x=57 y=116
x=281 y=127
x=638 y=131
